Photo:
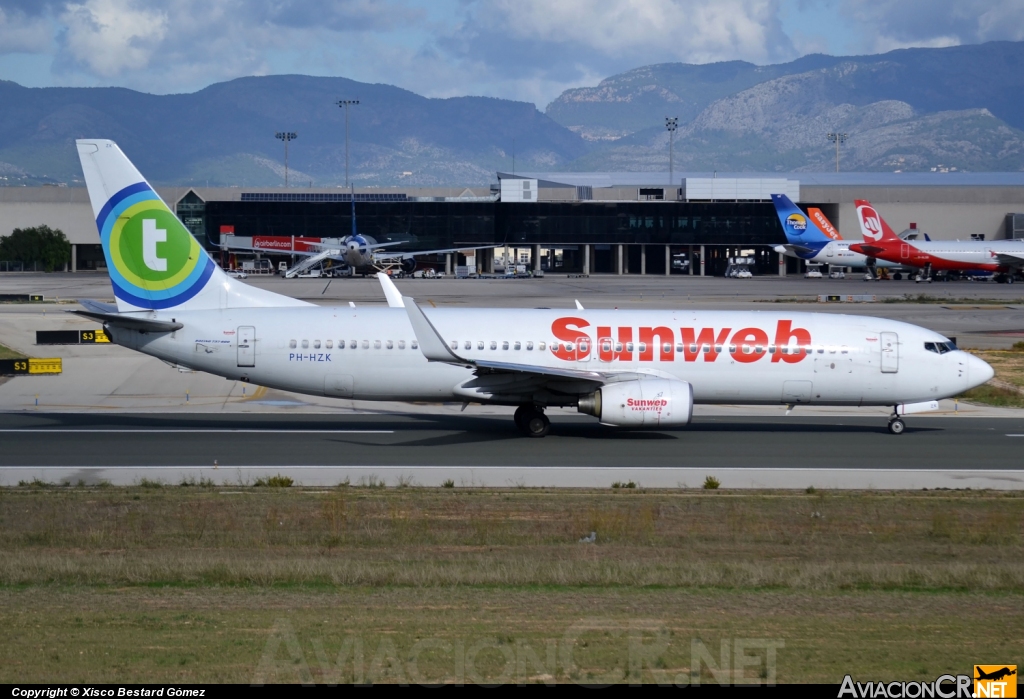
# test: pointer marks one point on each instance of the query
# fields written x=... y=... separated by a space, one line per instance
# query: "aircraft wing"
x=300 y=253
x=435 y=349
x=396 y=255
x=1010 y=259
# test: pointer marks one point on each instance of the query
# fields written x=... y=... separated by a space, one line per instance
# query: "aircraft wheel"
x=896 y=426
x=897 y=276
x=537 y=424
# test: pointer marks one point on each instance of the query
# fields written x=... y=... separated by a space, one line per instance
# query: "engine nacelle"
x=408 y=265
x=642 y=403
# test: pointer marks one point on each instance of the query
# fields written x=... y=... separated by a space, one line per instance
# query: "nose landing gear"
x=531 y=421
x=896 y=424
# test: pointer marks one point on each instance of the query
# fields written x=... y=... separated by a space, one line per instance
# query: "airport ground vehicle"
x=641 y=369
x=813 y=271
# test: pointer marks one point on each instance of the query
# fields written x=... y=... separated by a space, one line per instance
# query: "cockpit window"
x=940 y=347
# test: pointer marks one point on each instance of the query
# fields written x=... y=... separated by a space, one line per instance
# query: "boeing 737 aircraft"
x=1005 y=257
x=813 y=238
x=641 y=369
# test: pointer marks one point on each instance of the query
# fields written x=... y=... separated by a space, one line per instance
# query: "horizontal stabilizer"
x=120 y=320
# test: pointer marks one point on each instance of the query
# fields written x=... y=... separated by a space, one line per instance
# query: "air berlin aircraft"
x=640 y=369
x=1005 y=257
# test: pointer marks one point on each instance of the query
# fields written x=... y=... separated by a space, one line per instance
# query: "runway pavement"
x=791 y=451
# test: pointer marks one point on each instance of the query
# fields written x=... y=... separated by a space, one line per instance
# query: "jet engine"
x=642 y=403
x=408 y=265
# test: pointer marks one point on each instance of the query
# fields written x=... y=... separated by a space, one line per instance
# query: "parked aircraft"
x=358 y=252
x=1004 y=257
x=639 y=369
x=814 y=239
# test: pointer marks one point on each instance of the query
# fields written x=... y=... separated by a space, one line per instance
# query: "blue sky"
x=516 y=49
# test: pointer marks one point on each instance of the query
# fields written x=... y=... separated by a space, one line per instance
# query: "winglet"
x=391 y=292
x=579 y=306
x=432 y=345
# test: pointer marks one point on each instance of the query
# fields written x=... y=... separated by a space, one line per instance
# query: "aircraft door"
x=828 y=250
x=890 y=353
x=905 y=251
x=246 y=345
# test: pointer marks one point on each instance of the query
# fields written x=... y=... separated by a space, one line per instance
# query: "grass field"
x=8 y=353
x=192 y=584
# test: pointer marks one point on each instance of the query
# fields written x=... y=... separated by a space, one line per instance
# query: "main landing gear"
x=531 y=421
x=896 y=424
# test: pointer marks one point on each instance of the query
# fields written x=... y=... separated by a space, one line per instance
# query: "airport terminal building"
x=611 y=223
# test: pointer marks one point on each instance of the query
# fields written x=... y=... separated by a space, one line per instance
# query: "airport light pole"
x=286 y=136
x=671 y=123
x=346 y=104
x=838 y=139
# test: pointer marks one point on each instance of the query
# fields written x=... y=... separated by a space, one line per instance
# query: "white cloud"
x=936 y=23
x=21 y=32
x=110 y=37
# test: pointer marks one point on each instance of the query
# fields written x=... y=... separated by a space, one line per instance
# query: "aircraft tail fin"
x=819 y=218
x=800 y=229
x=872 y=226
x=154 y=262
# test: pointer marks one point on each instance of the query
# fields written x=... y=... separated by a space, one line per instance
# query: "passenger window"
x=706 y=349
x=821 y=350
x=305 y=344
x=366 y=344
x=376 y=344
x=759 y=349
x=771 y=349
x=679 y=348
x=401 y=344
x=468 y=345
x=341 y=344
x=455 y=344
x=316 y=344
x=415 y=345
x=718 y=349
x=693 y=348
x=352 y=344
x=732 y=349
x=518 y=345
x=494 y=345
x=629 y=346
x=504 y=345
x=480 y=345
x=540 y=346
x=390 y=345
x=529 y=346
x=292 y=344
x=329 y=344
x=643 y=346
x=844 y=350
x=584 y=346
x=618 y=347
x=746 y=349
x=606 y=346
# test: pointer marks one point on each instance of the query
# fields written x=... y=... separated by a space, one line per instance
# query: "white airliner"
x=633 y=369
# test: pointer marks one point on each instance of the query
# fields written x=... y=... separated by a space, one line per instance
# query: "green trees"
x=44 y=245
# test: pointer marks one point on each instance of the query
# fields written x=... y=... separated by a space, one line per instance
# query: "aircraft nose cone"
x=978 y=370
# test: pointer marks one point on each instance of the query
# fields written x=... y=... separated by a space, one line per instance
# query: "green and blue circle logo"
x=154 y=262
